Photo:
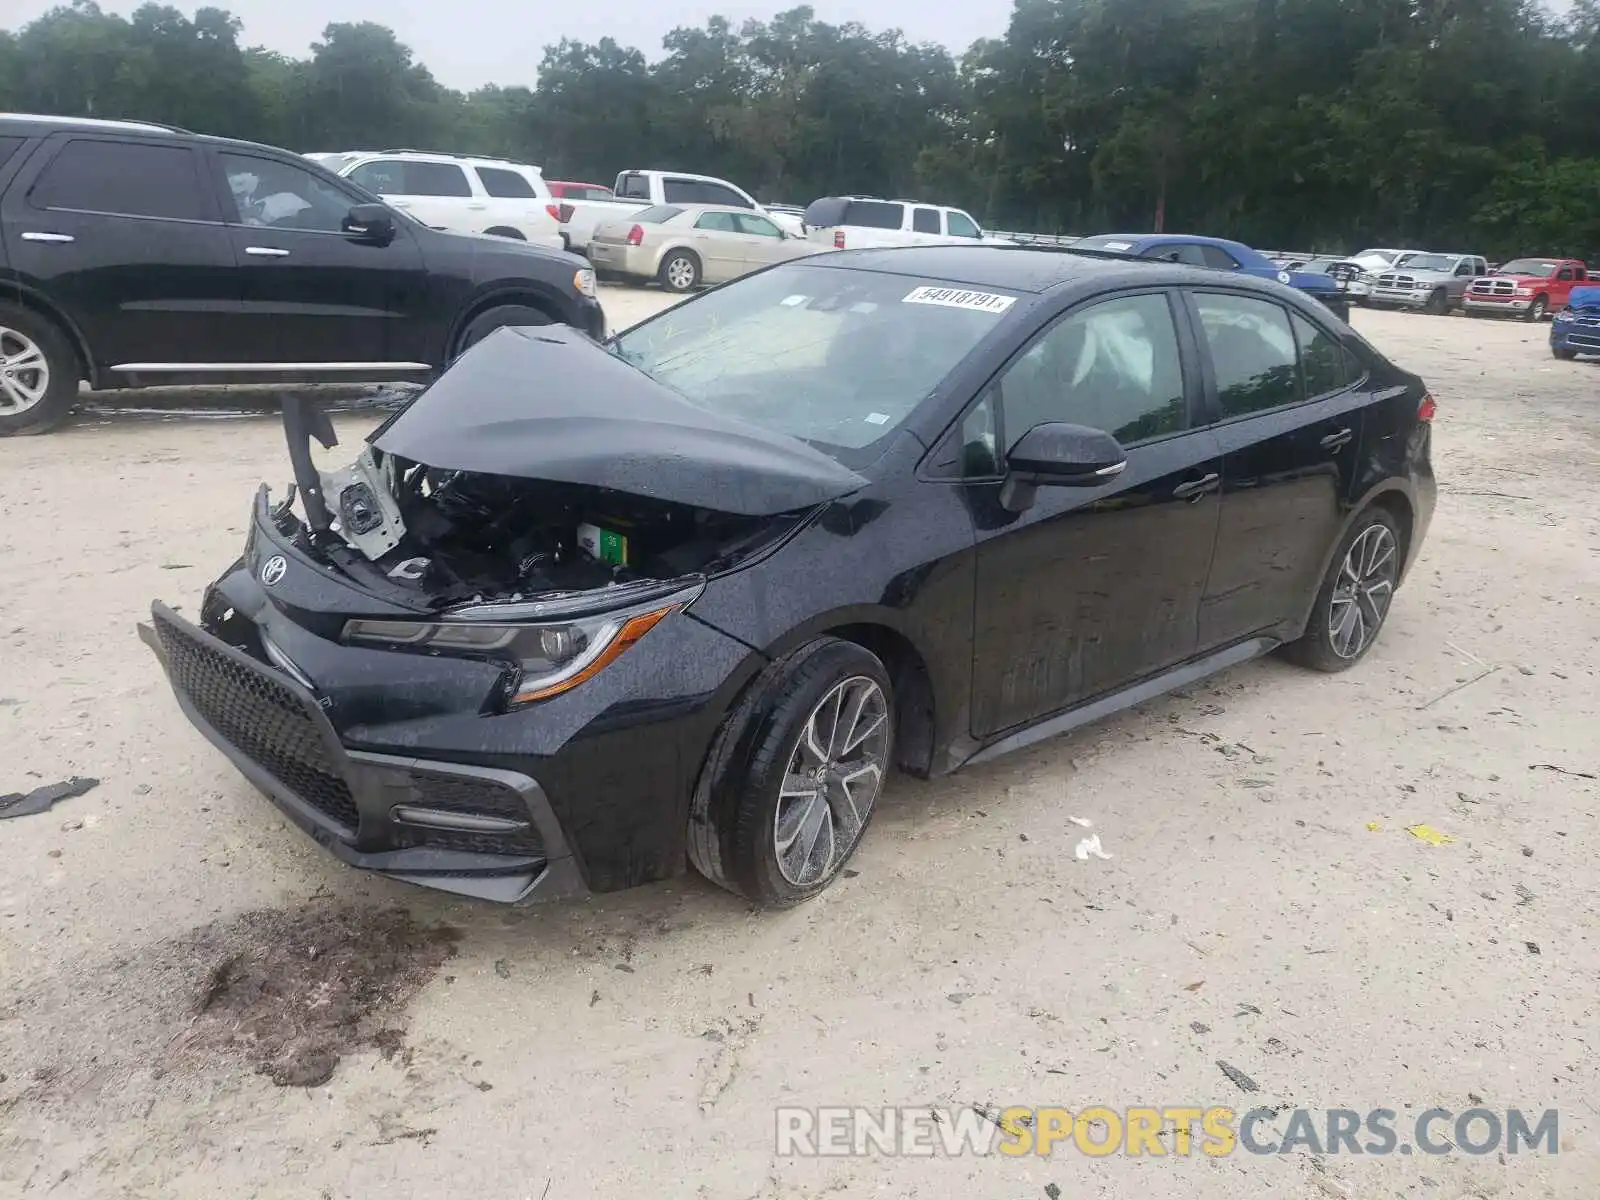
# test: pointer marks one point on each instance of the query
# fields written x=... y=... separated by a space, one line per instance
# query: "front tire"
x=1355 y=596
x=1438 y=303
x=38 y=372
x=1564 y=353
x=1537 y=310
x=486 y=322
x=794 y=775
x=680 y=271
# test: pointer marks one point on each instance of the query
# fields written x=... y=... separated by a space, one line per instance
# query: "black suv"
x=135 y=254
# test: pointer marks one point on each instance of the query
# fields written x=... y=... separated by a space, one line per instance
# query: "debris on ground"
x=1091 y=845
x=1052 y=1192
x=1427 y=833
x=1082 y=821
x=1533 y=947
x=1199 y=1027
x=1375 y=826
x=1195 y=986
x=1243 y=1081
x=993 y=1115
x=1561 y=770
x=292 y=992
x=25 y=804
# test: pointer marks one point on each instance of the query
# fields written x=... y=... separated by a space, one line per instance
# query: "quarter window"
x=1253 y=353
x=132 y=179
x=276 y=195
x=874 y=214
x=1113 y=366
x=506 y=185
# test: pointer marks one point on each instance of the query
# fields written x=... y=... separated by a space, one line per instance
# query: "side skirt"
x=1114 y=702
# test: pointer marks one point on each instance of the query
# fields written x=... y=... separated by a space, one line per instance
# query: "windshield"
x=838 y=358
x=1426 y=262
x=1542 y=267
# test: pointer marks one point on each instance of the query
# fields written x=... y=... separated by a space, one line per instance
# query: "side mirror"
x=370 y=223
x=1056 y=454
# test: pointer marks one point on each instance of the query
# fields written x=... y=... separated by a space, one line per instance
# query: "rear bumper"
x=422 y=821
x=624 y=260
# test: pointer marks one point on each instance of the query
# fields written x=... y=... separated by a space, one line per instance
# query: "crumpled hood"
x=549 y=403
x=1585 y=299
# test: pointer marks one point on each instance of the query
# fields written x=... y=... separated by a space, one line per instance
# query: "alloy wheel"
x=1363 y=591
x=680 y=273
x=24 y=373
x=834 y=775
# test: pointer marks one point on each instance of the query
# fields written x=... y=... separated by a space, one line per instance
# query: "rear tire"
x=1537 y=310
x=486 y=322
x=38 y=372
x=803 y=755
x=1353 y=602
x=680 y=271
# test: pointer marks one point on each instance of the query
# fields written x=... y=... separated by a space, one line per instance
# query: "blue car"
x=1575 y=329
x=1224 y=256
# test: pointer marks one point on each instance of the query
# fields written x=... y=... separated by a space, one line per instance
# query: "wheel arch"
x=1394 y=497
x=506 y=231
x=25 y=297
x=526 y=292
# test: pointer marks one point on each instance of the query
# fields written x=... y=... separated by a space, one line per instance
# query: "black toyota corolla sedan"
x=581 y=613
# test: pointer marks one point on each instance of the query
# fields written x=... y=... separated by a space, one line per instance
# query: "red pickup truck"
x=1528 y=287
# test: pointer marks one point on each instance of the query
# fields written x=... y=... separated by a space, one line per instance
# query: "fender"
x=30 y=297
x=1399 y=487
x=507 y=290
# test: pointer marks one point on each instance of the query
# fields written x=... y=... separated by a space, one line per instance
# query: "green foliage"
x=1322 y=124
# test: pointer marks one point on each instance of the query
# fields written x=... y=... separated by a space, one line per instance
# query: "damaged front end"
x=421 y=659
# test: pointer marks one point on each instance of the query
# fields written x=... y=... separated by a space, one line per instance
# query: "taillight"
x=838 y=239
x=1427 y=408
x=555 y=212
x=635 y=235
x=566 y=213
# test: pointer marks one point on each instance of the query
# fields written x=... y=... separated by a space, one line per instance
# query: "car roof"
x=1028 y=268
x=675 y=175
x=39 y=123
x=697 y=207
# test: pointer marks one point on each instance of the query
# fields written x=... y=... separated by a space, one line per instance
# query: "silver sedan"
x=686 y=245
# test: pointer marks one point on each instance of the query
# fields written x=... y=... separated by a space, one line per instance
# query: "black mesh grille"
x=455 y=793
x=261 y=717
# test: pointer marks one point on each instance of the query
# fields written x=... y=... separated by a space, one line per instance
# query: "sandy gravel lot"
x=168 y=943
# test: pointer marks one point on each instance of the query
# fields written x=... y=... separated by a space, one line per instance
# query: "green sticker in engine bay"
x=604 y=545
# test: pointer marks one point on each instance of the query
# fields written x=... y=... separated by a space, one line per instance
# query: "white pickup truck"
x=642 y=189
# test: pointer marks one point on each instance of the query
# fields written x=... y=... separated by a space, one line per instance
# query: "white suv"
x=855 y=222
x=465 y=195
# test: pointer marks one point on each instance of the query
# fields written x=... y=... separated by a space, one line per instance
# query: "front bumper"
x=1496 y=304
x=1581 y=336
x=1401 y=297
x=477 y=831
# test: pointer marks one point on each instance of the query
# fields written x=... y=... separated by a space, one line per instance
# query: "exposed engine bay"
x=460 y=537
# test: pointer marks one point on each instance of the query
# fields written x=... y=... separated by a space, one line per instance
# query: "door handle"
x=477 y=207
x=1336 y=439
x=266 y=252
x=1195 y=488
x=32 y=236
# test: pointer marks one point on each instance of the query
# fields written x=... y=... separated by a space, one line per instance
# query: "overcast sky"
x=470 y=42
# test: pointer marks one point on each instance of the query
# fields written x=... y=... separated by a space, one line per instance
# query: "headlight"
x=1565 y=315
x=550 y=657
x=583 y=280
x=1522 y=291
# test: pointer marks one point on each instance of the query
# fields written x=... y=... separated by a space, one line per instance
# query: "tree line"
x=1316 y=124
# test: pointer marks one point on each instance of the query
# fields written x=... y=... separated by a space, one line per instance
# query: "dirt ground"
x=173 y=953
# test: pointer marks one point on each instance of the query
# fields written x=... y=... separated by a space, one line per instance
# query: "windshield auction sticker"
x=989 y=302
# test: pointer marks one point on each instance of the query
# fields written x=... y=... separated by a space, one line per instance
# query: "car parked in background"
x=466 y=195
x=565 y=189
x=1222 y=255
x=637 y=190
x=1527 y=287
x=133 y=254
x=1427 y=280
x=863 y=222
x=1345 y=273
x=1575 y=329
x=693 y=244
x=1373 y=262
x=692 y=597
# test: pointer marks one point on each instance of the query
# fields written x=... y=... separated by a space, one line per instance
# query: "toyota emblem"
x=273 y=569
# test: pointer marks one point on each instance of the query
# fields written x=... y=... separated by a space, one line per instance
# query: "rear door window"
x=1253 y=353
x=505 y=184
x=874 y=214
x=962 y=225
x=925 y=220
x=717 y=222
x=1177 y=252
x=133 y=179
x=436 y=179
